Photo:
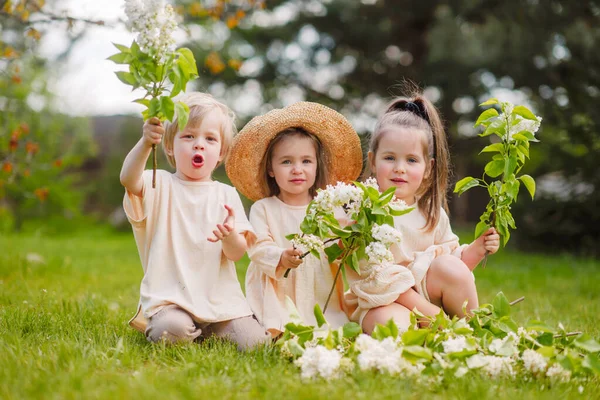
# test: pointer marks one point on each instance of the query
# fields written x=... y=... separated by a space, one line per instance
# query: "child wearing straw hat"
x=189 y=230
x=279 y=160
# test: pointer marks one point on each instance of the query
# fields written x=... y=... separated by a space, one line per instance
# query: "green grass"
x=64 y=333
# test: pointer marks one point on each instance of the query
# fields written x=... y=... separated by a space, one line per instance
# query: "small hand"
x=153 y=131
x=489 y=241
x=224 y=230
x=290 y=258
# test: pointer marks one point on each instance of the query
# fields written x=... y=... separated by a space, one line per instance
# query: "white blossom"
x=306 y=243
x=371 y=182
x=341 y=195
x=154 y=23
x=384 y=356
x=559 y=373
x=455 y=345
x=377 y=253
x=386 y=234
x=494 y=366
x=521 y=124
x=534 y=361
x=318 y=361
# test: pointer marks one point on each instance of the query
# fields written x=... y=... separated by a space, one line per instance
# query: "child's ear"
x=168 y=149
x=271 y=173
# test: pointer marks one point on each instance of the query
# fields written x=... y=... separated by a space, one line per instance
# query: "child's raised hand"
x=290 y=258
x=489 y=241
x=153 y=131
x=224 y=230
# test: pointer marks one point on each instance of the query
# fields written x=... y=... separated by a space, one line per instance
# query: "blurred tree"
x=39 y=147
x=351 y=54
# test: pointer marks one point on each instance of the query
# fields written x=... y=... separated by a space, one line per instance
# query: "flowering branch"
x=516 y=128
x=370 y=234
x=154 y=64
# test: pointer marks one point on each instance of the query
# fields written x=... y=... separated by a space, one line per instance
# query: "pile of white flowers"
x=517 y=124
x=154 y=23
x=489 y=344
x=342 y=195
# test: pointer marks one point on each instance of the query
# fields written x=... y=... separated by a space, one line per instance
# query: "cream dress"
x=310 y=283
x=379 y=286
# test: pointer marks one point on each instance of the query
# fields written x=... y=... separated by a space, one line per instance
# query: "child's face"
x=400 y=161
x=294 y=167
x=198 y=150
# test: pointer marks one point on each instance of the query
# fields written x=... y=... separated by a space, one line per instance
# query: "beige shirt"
x=310 y=283
x=171 y=224
x=379 y=286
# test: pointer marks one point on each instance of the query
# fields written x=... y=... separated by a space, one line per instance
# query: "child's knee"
x=245 y=332
x=450 y=269
x=172 y=325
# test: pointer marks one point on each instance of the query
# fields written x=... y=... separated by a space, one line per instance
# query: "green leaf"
x=501 y=305
x=592 y=363
x=529 y=184
x=486 y=116
x=319 y=315
x=492 y=148
x=120 y=58
x=489 y=102
x=415 y=337
x=183 y=112
x=480 y=228
x=391 y=325
x=494 y=168
x=144 y=102
x=343 y=233
x=333 y=252
x=126 y=77
x=497 y=127
x=351 y=330
x=417 y=352
x=355 y=264
x=122 y=48
x=511 y=165
x=295 y=348
x=524 y=112
x=525 y=135
x=586 y=343
x=154 y=108
x=539 y=326
x=465 y=184
x=188 y=56
x=381 y=332
x=167 y=107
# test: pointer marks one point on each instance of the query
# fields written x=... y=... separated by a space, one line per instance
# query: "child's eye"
x=286 y=162
x=412 y=160
x=389 y=158
x=307 y=161
x=211 y=139
x=187 y=136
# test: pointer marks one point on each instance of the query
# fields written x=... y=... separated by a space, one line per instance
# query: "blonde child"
x=280 y=159
x=408 y=150
x=189 y=230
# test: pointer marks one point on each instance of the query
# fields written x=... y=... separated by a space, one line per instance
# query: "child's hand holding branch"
x=153 y=131
x=487 y=243
x=290 y=258
x=234 y=243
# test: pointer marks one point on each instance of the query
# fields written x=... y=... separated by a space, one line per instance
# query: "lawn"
x=65 y=302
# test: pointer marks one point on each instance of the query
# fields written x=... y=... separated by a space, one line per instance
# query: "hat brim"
x=343 y=154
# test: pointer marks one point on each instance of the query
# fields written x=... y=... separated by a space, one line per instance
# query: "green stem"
x=287 y=272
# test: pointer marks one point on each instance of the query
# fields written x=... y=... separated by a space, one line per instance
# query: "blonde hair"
x=269 y=185
x=418 y=113
x=200 y=104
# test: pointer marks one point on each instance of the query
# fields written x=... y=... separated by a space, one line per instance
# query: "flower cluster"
x=377 y=253
x=154 y=23
x=488 y=344
x=386 y=234
x=306 y=243
x=318 y=361
x=348 y=197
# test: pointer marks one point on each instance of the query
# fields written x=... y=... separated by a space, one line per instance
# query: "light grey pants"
x=173 y=324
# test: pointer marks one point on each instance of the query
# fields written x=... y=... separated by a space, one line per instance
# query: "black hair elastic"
x=415 y=108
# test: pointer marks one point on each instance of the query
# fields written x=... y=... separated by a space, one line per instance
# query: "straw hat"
x=343 y=154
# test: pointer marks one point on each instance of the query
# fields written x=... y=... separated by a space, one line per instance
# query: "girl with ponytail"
x=408 y=149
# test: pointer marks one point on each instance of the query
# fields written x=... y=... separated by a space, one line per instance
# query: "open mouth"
x=198 y=160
